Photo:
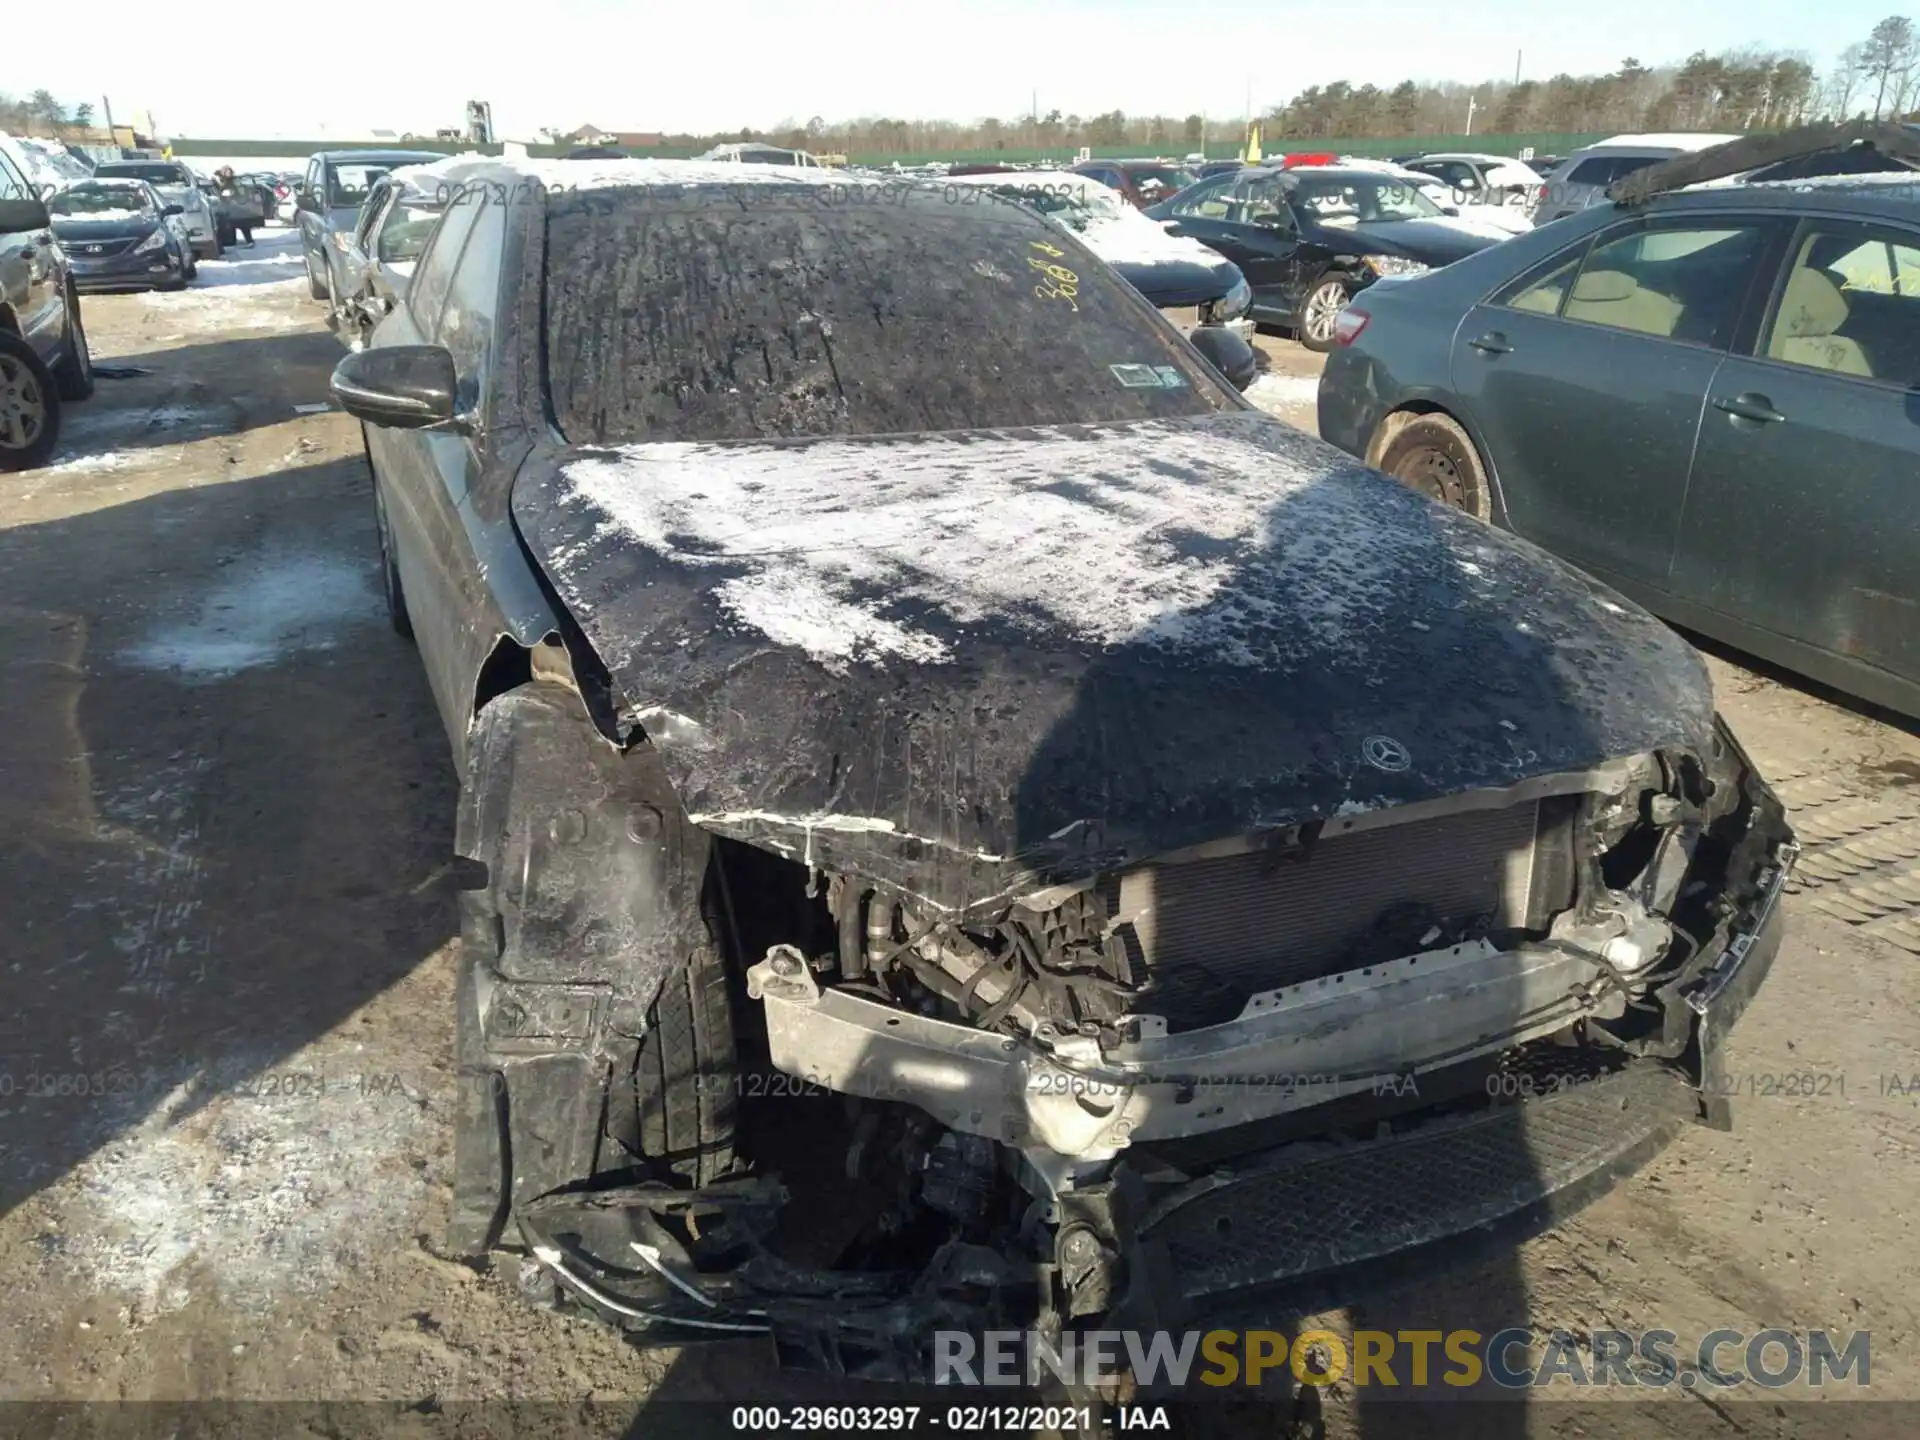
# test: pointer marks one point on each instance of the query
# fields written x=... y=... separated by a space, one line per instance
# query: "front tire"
x=29 y=406
x=396 y=596
x=73 y=371
x=1319 y=309
x=316 y=286
x=1434 y=455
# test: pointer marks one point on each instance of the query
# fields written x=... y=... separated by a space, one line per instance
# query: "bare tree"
x=1888 y=59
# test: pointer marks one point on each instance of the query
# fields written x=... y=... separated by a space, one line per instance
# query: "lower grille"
x=1211 y=933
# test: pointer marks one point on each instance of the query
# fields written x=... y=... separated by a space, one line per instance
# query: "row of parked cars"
x=878 y=647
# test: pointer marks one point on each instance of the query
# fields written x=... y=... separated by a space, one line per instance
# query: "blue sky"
x=234 y=70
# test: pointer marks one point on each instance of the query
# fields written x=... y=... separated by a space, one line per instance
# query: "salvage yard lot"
x=226 y=1087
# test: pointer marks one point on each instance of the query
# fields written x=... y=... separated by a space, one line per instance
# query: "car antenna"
x=1750 y=152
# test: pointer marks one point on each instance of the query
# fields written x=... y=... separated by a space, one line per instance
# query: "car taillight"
x=1348 y=324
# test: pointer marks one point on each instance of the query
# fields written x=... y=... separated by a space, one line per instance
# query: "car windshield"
x=348 y=184
x=1356 y=200
x=747 y=317
x=152 y=174
x=93 y=201
x=403 y=235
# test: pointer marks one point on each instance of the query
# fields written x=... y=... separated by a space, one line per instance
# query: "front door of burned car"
x=1803 y=512
x=423 y=477
x=1585 y=378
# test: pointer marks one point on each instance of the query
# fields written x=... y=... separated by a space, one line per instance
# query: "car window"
x=1851 y=305
x=682 y=319
x=101 y=199
x=348 y=181
x=13 y=185
x=370 y=214
x=467 y=320
x=429 y=288
x=1545 y=294
x=1680 y=282
x=1343 y=201
x=1207 y=200
x=1257 y=199
x=404 y=232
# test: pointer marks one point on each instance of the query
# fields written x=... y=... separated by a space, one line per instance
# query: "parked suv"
x=327 y=207
x=1705 y=397
x=177 y=186
x=1583 y=177
x=44 y=359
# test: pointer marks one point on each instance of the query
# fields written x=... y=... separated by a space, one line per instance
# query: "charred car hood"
x=973 y=662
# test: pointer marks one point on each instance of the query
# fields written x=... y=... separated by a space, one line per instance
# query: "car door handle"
x=1749 y=406
x=1492 y=344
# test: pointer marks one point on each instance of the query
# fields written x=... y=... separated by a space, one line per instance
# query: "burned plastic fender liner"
x=591 y=898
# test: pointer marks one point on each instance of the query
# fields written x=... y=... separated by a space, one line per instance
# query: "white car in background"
x=1582 y=178
x=177 y=186
x=1475 y=219
x=1497 y=188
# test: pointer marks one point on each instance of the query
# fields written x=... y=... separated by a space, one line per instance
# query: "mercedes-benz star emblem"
x=1383 y=752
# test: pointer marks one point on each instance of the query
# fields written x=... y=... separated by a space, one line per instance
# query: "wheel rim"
x=1432 y=472
x=1323 y=307
x=23 y=409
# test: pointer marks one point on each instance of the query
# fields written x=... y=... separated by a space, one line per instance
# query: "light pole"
x=1472 y=105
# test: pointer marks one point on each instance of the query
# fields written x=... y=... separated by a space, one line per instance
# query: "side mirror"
x=403 y=387
x=174 y=210
x=1227 y=353
x=306 y=200
x=28 y=214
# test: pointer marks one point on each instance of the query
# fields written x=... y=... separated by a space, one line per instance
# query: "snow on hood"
x=1514 y=172
x=1074 y=645
x=89 y=217
x=564 y=175
x=826 y=544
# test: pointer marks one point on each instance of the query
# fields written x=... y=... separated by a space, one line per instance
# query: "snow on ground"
x=275 y=258
x=1279 y=394
x=270 y=607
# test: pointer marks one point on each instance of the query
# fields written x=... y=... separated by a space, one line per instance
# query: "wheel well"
x=1398 y=420
x=7 y=322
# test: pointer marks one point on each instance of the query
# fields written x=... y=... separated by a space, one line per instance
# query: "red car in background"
x=1143 y=182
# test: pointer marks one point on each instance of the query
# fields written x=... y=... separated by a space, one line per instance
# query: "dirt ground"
x=225 y=819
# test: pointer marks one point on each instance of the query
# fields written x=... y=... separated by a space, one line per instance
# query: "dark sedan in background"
x=120 y=235
x=1706 y=398
x=1308 y=240
x=327 y=206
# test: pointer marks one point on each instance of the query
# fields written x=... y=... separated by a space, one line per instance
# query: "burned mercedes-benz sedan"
x=967 y=823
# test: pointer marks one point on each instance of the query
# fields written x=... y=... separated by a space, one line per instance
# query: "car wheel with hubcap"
x=316 y=286
x=1318 y=311
x=73 y=371
x=1434 y=455
x=29 y=406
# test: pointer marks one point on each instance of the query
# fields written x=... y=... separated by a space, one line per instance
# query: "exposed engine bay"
x=1005 y=1115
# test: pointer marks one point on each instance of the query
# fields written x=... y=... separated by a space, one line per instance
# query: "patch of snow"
x=567 y=175
x=1274 y=393
x=272 y=607
x=274 y=259
x=826 y=820
x=77 y=217
x=1678 y=141
x=1175 y=535
x=265 y=1195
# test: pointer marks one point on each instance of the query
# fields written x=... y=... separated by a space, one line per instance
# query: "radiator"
x=1210 y=933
